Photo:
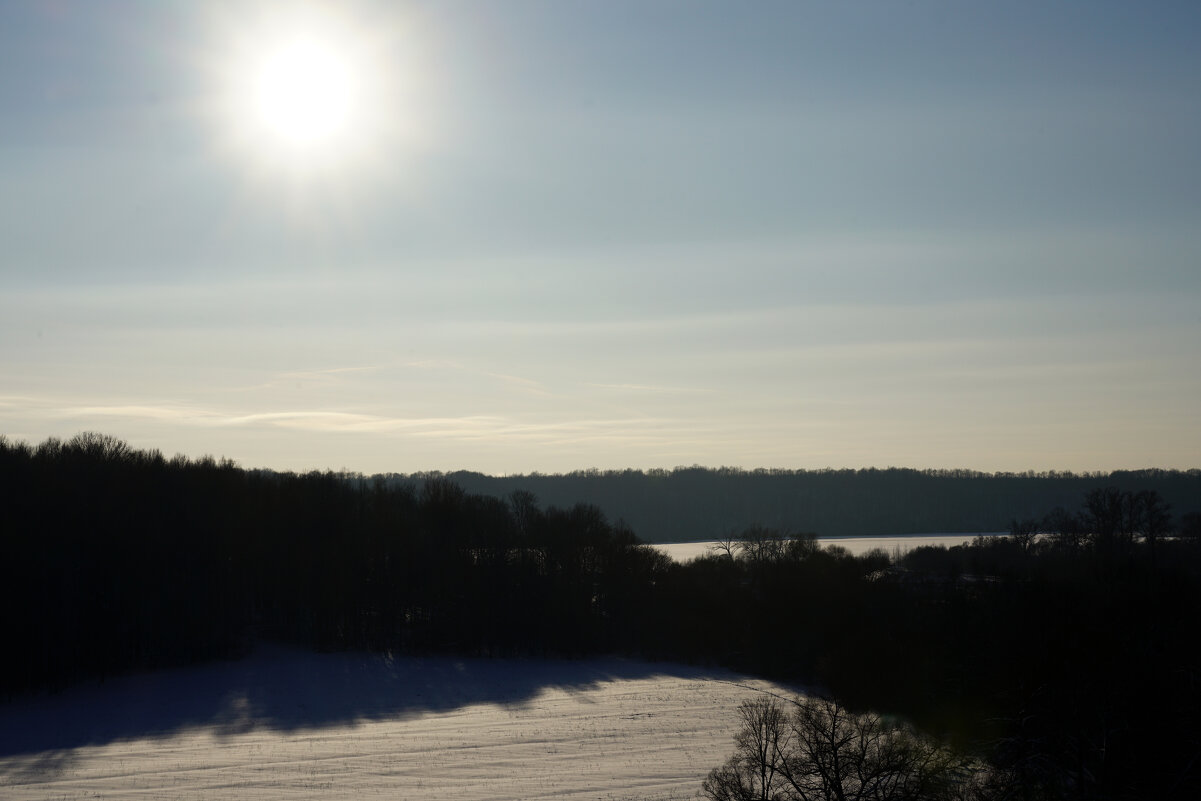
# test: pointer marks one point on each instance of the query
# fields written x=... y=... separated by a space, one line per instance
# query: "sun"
x=307 y=90
x=300 y=92
x=304 y=93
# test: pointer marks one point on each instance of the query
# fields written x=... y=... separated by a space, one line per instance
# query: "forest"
x=1064 y=655
x=697 y=503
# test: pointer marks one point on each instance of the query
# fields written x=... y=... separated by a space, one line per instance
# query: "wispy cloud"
x=335 y=371
x=649 y=388
x=365 y=423
x=16 y=401
x=474 y=428
x=330 y=376
x=526 y=385
x=302 y=419
x=180 y=414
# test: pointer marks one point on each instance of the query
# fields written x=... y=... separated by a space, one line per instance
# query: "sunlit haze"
x=302 y=93
x=542 y=236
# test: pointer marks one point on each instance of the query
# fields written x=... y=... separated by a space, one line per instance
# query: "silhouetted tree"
x=1155 y=518
x=1066 y=530
x=1105 y=515
x=726 y=545
x=761 y=750
x=817 y=749
x=760 y=544
x=1024 y=533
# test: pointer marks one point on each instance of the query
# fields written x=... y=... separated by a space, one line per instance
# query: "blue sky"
x=618 y=234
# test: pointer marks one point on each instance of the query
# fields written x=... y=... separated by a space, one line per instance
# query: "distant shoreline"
x=856 y=544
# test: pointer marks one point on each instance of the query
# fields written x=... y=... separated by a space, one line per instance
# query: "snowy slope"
x=285 y=724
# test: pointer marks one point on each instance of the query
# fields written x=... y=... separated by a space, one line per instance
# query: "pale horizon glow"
x=404 y=237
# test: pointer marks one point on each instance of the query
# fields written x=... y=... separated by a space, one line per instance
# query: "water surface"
x=684 y=551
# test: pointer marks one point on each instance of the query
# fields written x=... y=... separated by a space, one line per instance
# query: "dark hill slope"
x=700 y=503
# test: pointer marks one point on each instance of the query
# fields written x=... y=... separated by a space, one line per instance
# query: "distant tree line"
x=1064 y=654
x=695 y=503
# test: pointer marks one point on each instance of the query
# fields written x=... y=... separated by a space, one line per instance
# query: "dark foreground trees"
x=814 y=749
x=1069 y=661
x=114 y=560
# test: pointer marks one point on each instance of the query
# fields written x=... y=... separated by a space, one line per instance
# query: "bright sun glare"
x=305 y=88
x=303 y=93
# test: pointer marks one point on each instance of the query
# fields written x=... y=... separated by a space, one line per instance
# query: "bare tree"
x=1066 y=530
x=1156 y=518
x=727 y=545
x=1024 y=533
x=818 y=750
x=761 y=545
x=523 y=506
x=1105 y=517
x=802 y=546
x=761 y=745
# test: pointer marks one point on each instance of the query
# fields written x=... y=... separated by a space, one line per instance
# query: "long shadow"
x=288 y=690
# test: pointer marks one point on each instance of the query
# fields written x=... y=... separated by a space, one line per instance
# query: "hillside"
x=697 y=503
x=286 y=723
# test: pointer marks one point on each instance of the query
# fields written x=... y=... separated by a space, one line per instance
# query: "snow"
x=287 y=724
x=684 y=551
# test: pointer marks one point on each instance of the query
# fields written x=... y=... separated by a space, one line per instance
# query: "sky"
x=546 y=236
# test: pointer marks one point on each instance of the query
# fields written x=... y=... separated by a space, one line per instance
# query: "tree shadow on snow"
x=292 y=690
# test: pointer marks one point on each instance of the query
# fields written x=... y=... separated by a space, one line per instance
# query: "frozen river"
x=683 y=551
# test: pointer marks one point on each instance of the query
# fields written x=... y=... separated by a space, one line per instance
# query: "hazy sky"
x=557 y=235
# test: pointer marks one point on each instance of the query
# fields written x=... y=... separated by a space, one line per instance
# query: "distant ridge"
x=694 y=503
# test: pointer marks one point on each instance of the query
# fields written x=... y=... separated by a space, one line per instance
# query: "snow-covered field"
x=286 y=724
